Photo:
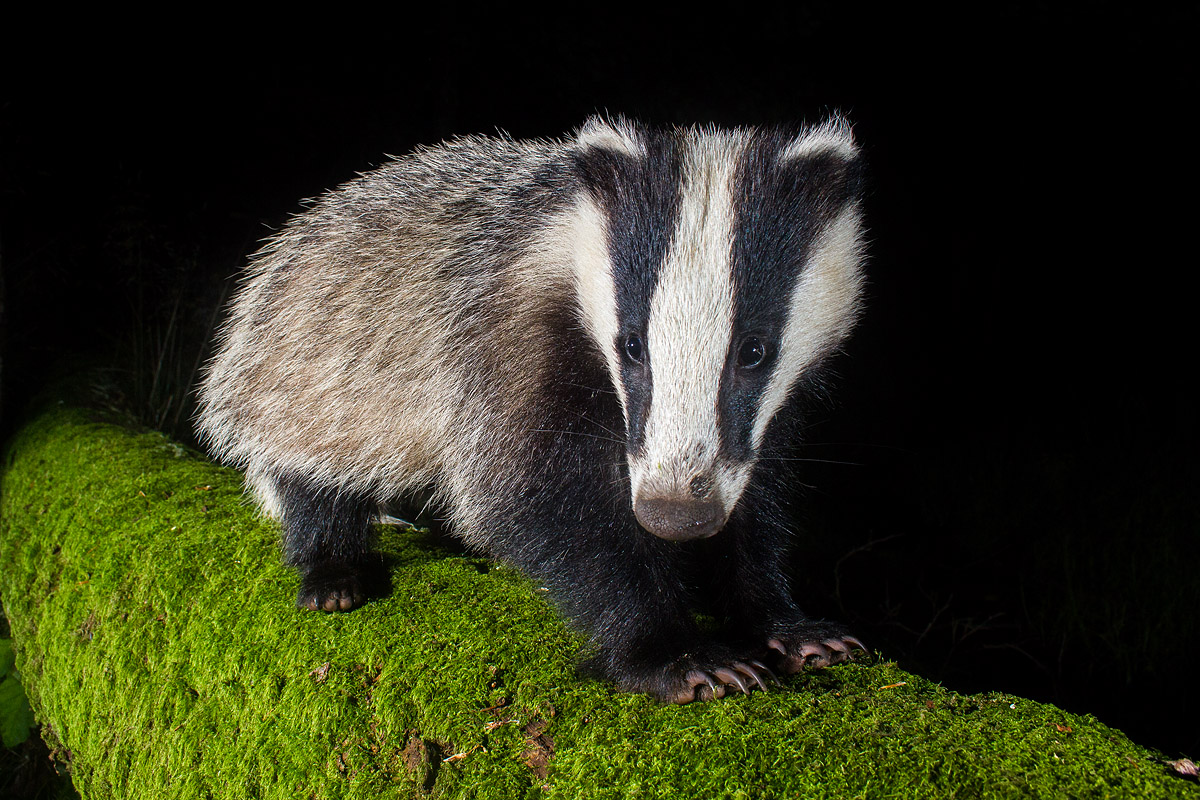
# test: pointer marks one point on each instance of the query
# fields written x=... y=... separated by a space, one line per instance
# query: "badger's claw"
x=700 y=686
x=703 y=680
x=738 y=673
x=744 y=670
x=799 y=652
x=762 y=668
x=854 y=642
x=728 y=676
x=345 y=597
x=337 y=587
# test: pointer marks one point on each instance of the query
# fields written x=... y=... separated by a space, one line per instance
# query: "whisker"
x=857 y=444
x=604 y=428
x=578 y=433
x=600 y=389
x=813 y=460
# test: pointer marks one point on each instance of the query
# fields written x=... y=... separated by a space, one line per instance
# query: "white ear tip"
x=835 y=135
x=618 y=135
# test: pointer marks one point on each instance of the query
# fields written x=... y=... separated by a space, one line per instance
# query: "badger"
x=590 y=354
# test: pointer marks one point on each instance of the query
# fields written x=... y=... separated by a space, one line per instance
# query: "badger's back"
x=382 y=335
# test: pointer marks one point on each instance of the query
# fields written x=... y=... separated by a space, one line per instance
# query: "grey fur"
x=346 y=358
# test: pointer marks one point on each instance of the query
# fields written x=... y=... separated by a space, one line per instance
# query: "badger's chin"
x=680 y=520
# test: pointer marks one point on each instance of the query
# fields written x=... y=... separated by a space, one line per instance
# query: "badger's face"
x=712 y=270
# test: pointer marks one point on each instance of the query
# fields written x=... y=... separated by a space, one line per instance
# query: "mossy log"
x=158 y=641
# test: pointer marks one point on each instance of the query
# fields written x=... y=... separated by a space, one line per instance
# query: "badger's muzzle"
x=680 y=519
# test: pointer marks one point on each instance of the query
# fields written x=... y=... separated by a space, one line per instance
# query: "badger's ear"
x=614 y=134
x=833 y=137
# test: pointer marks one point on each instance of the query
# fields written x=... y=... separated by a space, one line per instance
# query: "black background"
x=1012 y=499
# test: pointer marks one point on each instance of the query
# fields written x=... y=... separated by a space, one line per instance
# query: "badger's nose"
x=679 y=519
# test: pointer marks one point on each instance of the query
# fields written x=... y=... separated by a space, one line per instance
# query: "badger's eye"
x=633 y=348
x=751 y=353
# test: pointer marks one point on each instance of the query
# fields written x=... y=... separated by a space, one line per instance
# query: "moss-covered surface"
x=16 y=717
x=157 y=638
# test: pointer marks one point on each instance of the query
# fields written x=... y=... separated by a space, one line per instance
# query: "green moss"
x=16 y=717
x=158 y=642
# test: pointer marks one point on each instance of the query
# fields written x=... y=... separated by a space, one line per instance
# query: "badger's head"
x=713 y=268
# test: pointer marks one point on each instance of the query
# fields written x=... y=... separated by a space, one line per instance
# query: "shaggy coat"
x=591 y=353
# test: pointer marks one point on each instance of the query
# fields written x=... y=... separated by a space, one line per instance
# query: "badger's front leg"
x=750 y=571
x=626 y=589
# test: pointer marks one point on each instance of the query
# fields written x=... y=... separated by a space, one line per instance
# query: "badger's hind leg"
x=327 y=537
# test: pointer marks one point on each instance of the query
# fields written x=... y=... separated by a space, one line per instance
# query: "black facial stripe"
x=781 y=209
x=641 y=198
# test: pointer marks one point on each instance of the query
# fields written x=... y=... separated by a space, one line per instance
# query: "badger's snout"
x=680 y=519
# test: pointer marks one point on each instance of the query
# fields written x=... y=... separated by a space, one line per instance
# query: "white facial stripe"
x=586 y=232
x=731 y=481
x=832 y=136
x=822 y=310
x=691 y=322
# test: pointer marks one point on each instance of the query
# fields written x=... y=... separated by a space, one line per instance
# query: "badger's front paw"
x=813 y=644
x=689 y=678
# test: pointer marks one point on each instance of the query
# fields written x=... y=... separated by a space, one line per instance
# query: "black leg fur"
x=635 y=594
x=630 y=591
x=755 y=596
x=623 y=587
x=327 y=536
